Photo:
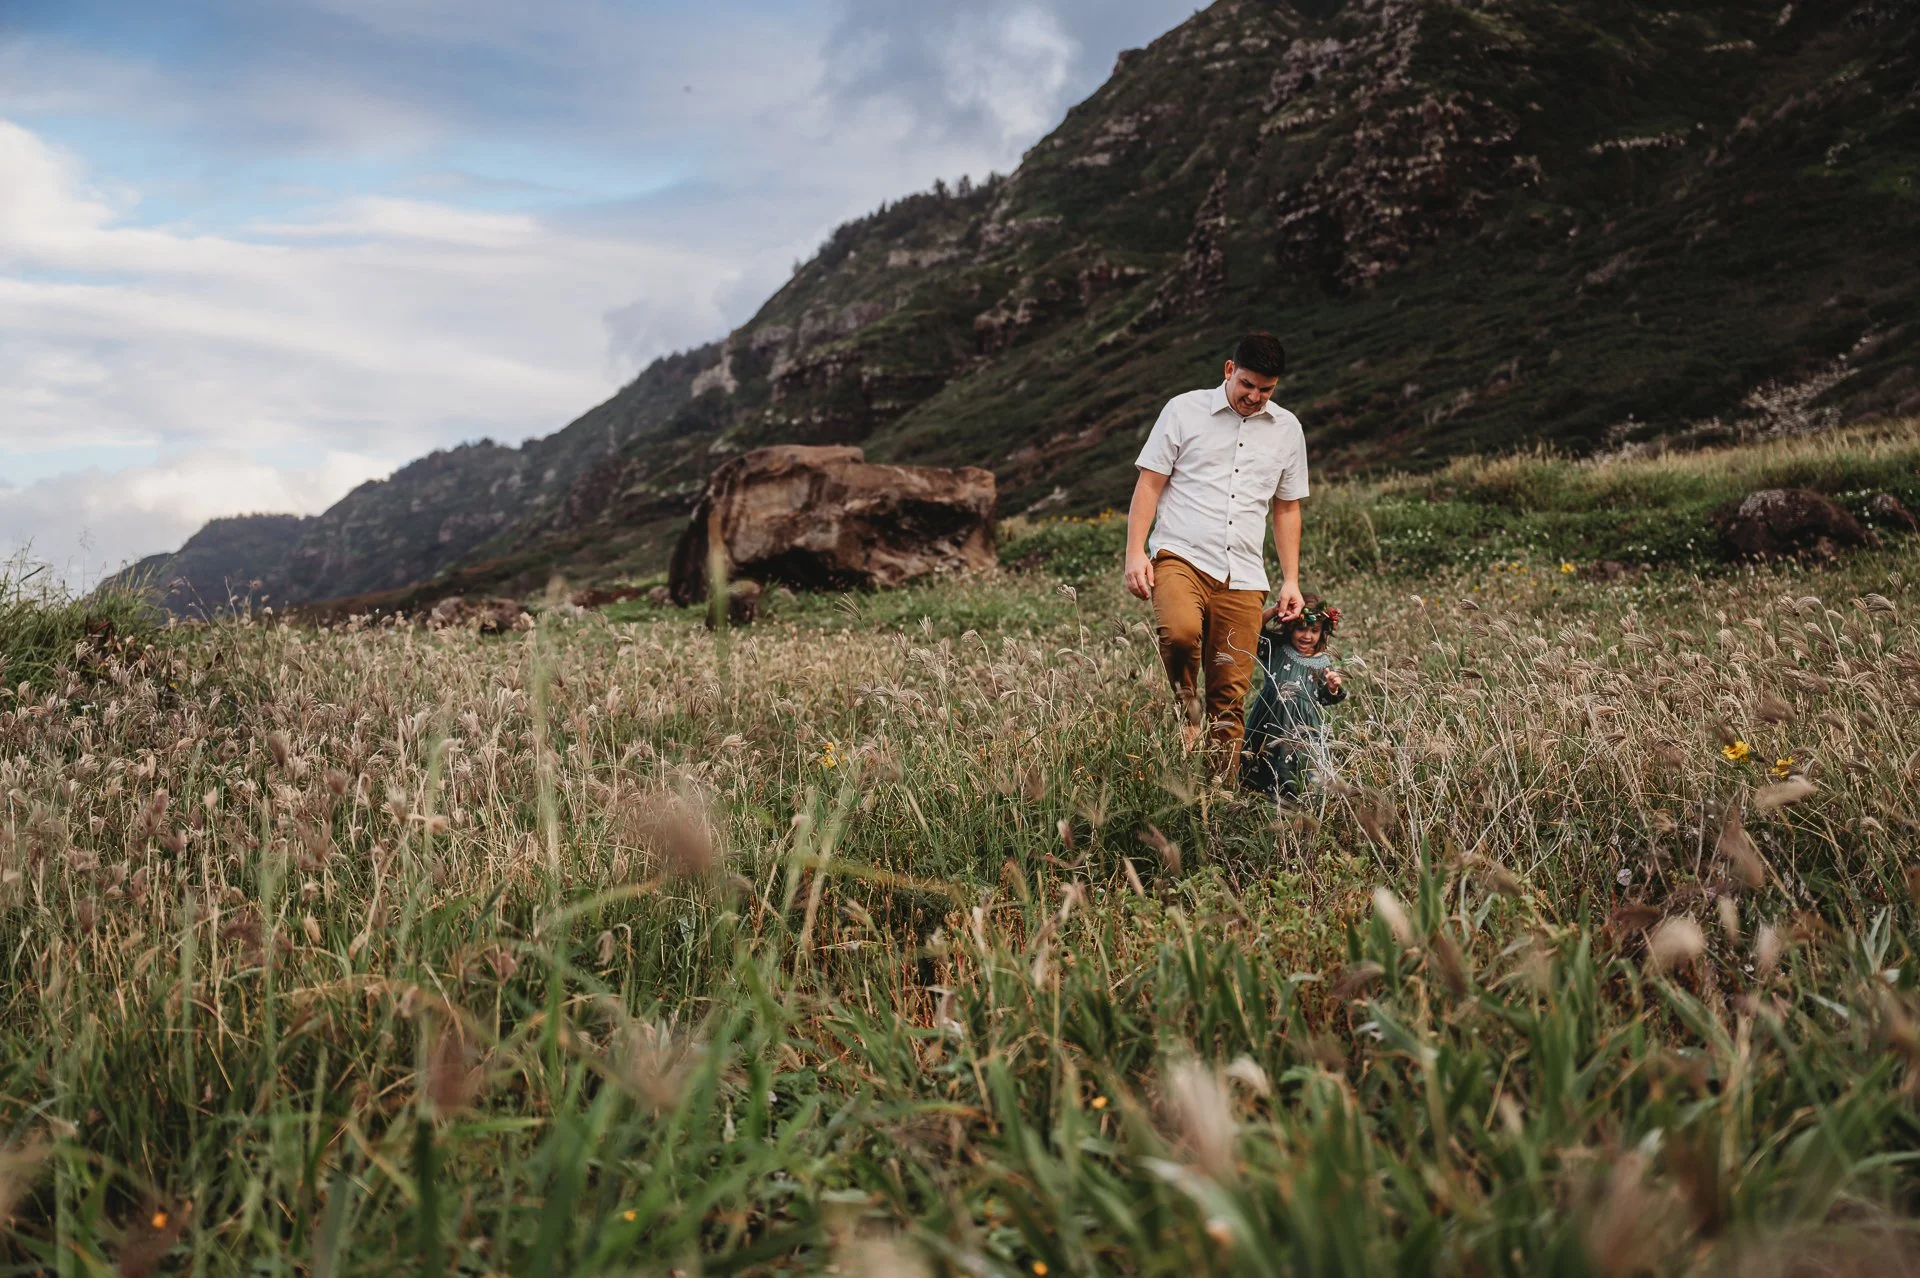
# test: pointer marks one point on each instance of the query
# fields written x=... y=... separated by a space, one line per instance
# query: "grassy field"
x=896 y=935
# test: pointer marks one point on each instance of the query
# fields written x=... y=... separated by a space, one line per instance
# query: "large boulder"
x=819 y=518
x=1777 y=523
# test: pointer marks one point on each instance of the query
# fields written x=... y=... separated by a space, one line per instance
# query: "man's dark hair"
x=1261 y=353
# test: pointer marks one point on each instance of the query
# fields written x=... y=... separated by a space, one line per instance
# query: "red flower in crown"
x=1333 y=615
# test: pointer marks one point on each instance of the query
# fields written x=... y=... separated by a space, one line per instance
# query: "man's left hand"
x=1287 y=604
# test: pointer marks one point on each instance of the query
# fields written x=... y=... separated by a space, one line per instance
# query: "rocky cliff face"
x=1476 y=223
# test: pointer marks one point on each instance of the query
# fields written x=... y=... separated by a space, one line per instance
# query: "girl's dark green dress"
x=1284 y=725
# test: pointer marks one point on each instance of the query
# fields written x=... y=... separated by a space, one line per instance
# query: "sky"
x=253 y=254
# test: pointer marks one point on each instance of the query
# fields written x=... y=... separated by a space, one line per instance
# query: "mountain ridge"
x=1478 y=226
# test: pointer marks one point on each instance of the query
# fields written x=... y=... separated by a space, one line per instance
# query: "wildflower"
x=1566 y=568
x=629 y=1215
x=1040 y=1268
x=1782 y=767
x=1736 y=752
x=1099 y=1102
x=159 y=1220
x=828 y=757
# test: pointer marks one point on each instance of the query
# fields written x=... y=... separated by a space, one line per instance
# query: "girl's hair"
x=1315 y=609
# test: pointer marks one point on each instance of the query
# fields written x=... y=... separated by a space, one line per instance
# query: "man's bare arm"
x=1146 y=504
x=1286 y=544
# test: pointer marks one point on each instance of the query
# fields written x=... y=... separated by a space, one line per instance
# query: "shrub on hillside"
x=43 y=626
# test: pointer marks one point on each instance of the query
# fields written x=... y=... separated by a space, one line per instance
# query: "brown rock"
x=1784 y=522
x=488 y=616
x=743 y=603
x=1884 y=510
x=1609 y=570
x=600 y=597
x=824 y=518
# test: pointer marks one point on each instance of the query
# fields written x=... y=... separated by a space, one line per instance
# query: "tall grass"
x=868 y=941
x=44 y=626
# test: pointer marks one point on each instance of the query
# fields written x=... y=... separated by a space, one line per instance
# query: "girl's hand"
x=1333 y=681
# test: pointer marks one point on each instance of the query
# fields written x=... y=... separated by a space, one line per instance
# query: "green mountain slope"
x=1477 y=226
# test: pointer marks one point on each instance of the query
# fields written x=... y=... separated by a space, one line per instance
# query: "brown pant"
x=1202 y=623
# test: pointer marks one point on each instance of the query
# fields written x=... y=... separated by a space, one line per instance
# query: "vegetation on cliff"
x=1477 y=227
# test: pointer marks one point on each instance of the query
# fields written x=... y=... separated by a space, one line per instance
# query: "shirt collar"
x=1218 y=404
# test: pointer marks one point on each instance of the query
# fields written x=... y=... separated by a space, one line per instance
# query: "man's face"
x=1247 y=390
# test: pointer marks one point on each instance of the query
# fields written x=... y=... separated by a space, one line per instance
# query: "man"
x=1218 y=465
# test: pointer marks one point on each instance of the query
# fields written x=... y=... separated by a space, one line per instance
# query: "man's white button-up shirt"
x=1224 y=472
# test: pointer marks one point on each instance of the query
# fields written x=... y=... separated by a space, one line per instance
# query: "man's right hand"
x=1139 y=574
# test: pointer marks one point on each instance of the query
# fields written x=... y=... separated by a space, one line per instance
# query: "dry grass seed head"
x=678 y=833
x=1203 y=1114
x=655 y=1062
x=453 y=1074
x=1676 y=942
x=1393 y=914
x=1736 y=846
x=1166 y=849
x=1771 y=798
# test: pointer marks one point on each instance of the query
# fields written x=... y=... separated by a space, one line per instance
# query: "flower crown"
x=1318 y=614
x=1313 y=614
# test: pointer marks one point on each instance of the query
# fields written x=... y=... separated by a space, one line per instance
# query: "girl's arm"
x=1330 y=687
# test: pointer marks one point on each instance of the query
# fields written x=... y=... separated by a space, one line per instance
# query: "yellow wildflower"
x=1040 y=1268
x=1566 y=567
x=629 y=1215
x=1783 y=767
x=1736 y=752
x=159 y=1220
x=827 y=757
x=1099 y=1102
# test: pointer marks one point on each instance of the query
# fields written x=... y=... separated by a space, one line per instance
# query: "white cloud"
x=216 y=358
x=87 y=523
x=375 y=328
x=1012 y=67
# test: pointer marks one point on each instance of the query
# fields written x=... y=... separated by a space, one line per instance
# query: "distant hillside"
x=414 y=525
x=1476 y=225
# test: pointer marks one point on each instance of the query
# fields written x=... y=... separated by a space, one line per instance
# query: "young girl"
x=1284 y=725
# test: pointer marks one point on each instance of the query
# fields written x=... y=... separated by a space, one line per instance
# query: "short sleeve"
x=1293 y=478
x=1163 y=444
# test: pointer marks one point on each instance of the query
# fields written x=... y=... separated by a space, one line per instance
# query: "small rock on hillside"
x=488 y=616
x=1777 y=523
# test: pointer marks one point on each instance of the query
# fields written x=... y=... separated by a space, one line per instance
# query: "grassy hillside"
x=897 y=935
x=1538 y=509
x=1477 y=229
